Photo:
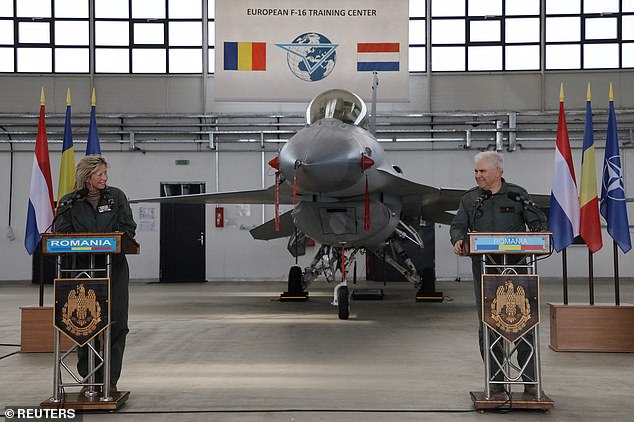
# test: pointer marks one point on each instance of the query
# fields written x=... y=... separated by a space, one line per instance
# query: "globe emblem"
x=311 y=56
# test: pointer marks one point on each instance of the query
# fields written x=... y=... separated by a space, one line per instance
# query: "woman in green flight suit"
x=101 y=208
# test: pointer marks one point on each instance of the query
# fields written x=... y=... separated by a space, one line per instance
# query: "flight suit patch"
x=507 y=210
x=103 y=208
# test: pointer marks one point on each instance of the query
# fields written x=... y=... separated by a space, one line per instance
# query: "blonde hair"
x=86 y=167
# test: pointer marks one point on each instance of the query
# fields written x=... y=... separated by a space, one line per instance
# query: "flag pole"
x=590 y=277
x=39 y=244
x=564 y=264
x=617 y=296
x=41 y=301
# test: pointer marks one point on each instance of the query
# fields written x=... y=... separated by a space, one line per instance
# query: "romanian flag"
x=92 y=146
x=563 y=220
x=589 y=225
x=40 y=212
x=67 y=166
x=380 y=57
x=245 y=56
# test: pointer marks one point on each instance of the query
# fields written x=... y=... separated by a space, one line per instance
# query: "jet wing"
x=260 y=196
x=267 y=230
x=432 y=204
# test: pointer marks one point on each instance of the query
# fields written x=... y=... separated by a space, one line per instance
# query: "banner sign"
x=81 y=245
x=82 y=307
x=510 y=303
x=520 y=243
x=292 y=50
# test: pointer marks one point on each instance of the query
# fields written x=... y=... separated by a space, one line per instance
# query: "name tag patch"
x=507 y=210
x=103 y=208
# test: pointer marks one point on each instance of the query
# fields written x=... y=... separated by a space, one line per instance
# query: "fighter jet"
x=345 y=196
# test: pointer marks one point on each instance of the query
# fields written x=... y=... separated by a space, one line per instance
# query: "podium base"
x=515 y=401
x=81 y=402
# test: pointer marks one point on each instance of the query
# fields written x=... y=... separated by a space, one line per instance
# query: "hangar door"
x=182 y=244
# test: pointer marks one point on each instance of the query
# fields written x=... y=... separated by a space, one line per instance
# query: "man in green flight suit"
x=495 y=206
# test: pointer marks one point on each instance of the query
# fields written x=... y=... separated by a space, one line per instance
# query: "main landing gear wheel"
x=343 y=298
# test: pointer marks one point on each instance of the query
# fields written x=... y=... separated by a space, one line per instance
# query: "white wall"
x=231 y=253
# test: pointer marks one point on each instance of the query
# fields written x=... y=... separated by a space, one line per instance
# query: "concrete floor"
x=230 y=351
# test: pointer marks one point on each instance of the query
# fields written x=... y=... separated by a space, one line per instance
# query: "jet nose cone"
x=322 y=160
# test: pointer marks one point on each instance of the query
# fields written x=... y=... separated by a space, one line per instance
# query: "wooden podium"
x=93 y=395
x=510 y=313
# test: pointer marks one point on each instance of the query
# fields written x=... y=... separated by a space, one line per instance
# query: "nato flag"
x=613 y=205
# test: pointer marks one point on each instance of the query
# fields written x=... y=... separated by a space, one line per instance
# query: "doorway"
x=182 y=236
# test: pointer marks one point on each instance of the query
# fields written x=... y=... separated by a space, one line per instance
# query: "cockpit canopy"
x=338 y=104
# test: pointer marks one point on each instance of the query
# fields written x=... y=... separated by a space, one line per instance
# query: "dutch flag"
x=380 y=57
x=563 y=220
x=40 y=209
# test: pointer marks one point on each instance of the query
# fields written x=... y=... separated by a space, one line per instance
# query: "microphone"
x=64 y=206
x=486 y=194
x=78 y=195
x=518 y=198
x=532 y=207
x=105 y=194
x=477 y=206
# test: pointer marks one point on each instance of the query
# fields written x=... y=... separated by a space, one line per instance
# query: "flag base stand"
x=37 y=331
x=591 y=328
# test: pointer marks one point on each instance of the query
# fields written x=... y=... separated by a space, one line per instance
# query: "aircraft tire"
x=344 y=302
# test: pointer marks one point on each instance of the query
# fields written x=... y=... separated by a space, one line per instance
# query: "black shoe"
x=530 y=389
x=496 y=388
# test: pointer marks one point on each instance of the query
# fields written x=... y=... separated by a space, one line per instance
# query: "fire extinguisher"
x=220 y=217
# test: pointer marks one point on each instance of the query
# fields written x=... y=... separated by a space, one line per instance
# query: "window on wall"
x=485 y=35
x=589 y=34
x=148 y=36
x=40 y=36
x=168 y=36
x=417 y=36
x=211 y=34
x=448 y=35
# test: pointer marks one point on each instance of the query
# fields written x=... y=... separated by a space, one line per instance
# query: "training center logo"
x=509 y=304
x=81 y=308
x=311 y=56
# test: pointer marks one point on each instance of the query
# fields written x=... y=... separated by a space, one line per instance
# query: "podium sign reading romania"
x=82 y=307
x=510 y=303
